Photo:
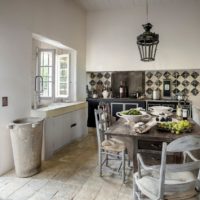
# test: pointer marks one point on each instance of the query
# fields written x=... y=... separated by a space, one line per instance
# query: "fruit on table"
x=176 y=127
x=132 y=111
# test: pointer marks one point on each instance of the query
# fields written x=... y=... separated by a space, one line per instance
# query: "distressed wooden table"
x=121 y=129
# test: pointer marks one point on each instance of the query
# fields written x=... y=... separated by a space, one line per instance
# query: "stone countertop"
x=132 y=99
x=56 y=109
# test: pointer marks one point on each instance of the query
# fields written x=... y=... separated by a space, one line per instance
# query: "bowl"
x=157 y=110
x=144 y=117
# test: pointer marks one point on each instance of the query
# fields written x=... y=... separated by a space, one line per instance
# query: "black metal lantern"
x=147 y=43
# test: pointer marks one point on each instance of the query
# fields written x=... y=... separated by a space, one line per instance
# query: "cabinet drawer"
x=150 y=145
x=151 y=150
x=155 y=159
x=151 y=159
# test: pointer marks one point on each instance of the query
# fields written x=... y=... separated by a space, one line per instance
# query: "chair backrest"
x=196 y=114
x=186 y=143
x=106 y=108
x=101 y=125
x=183 y=144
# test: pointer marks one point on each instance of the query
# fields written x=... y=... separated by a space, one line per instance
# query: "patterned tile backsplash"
x=185 y=81
x=98 y=81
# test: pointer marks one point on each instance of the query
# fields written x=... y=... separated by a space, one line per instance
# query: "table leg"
x=135 y=150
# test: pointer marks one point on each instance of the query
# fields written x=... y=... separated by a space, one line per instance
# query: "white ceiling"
x=92 y=5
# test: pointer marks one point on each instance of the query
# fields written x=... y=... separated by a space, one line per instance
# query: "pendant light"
x=147 y=42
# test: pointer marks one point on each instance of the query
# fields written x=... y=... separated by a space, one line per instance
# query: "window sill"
x=56 y=109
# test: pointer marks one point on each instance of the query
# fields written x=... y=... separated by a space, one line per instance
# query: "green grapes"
x=176 y=127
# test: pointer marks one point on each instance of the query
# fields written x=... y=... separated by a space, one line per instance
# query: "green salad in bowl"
x=132 y=111
x=134 y=115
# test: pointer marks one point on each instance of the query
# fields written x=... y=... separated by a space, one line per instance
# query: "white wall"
x=14 y=83
x=60 y=20
x=111 y=36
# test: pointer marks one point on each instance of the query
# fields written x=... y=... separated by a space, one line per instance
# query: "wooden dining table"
x=122 y=129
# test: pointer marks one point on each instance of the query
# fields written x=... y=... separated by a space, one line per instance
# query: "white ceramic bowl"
x=144 y=117
x=157 y=110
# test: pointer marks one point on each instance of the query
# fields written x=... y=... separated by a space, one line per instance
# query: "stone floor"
x=71 y=174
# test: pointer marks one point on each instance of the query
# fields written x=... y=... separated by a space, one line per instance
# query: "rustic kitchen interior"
x=100 y=99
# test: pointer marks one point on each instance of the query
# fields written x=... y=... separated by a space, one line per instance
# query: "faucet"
x=38 y=91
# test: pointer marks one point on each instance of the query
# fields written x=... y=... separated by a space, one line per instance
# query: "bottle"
x=105 y=94
x=156 y=94
x=111 y=94
x=185 y=114
x=179 y=110
x=121 y=89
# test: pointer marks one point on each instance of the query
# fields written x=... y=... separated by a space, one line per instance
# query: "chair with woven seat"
x=109 y=120
x=108 y=147
x=170 y=181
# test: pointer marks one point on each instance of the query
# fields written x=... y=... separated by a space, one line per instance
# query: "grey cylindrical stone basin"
x=26 y=138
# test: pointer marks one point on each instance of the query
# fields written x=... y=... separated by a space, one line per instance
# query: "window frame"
x=54 y=63
x=69 y=79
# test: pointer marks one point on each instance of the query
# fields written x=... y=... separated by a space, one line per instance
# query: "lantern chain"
x=147 y=10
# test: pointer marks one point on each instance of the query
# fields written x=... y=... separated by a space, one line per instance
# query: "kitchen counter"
x=119 y=104
x=133 y=99
x=56 y=109
x=64 y=123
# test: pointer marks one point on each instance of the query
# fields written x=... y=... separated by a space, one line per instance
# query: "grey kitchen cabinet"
x=62 y=130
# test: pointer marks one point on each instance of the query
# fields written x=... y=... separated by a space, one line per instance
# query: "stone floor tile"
x=11 y=187
x=71 y=174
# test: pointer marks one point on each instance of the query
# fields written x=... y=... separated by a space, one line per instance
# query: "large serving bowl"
x=143 y=117
x=157 y=110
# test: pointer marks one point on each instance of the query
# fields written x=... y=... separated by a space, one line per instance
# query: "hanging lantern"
x=147 y=43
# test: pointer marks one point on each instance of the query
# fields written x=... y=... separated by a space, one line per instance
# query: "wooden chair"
x=170 y=181
x=106 y=109
x=110 y=148
x=196 y=114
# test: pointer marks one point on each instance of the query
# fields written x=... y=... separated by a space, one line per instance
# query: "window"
x=54 y=70
x=62 y=76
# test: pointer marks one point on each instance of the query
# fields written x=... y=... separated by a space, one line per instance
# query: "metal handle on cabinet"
x=72 y=125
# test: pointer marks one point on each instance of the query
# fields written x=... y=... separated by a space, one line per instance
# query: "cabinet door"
x=57 y=134
x=66 y=130
x=91 y=119
x=61 y=131
x=78 y=124
x=116 y=107
x=128 y=106
x=49 y=138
